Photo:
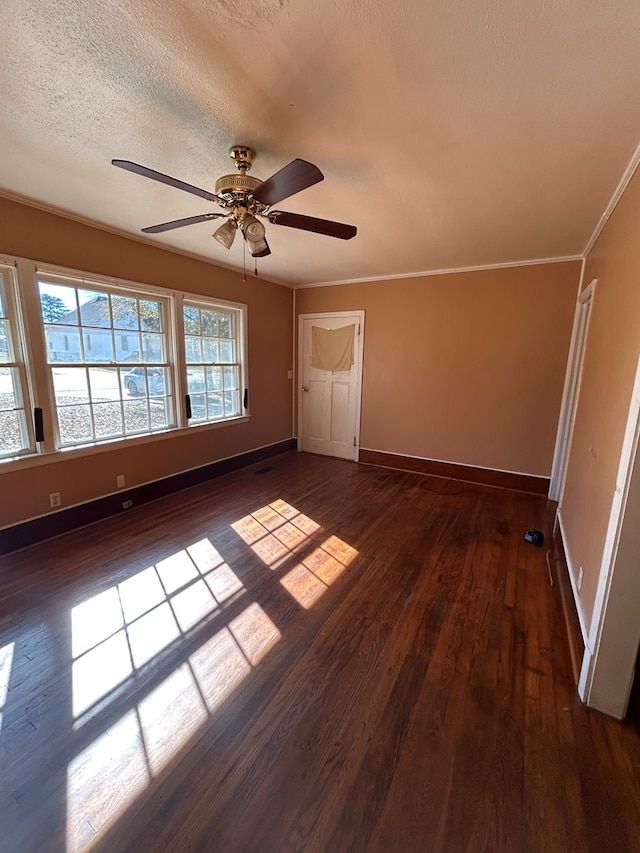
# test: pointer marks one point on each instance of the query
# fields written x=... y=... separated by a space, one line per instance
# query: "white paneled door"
x=329 y=400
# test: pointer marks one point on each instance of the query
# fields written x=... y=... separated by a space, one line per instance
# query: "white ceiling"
x=452 y=134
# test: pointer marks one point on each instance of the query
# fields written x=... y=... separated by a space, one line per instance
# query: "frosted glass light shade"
x=253 y=228
x=226 y=234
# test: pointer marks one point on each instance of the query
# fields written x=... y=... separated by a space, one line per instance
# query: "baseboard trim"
x=573 y=623
x=470 y=474
x=46 y=526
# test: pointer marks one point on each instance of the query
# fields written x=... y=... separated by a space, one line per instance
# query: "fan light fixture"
x=258 y=248
x=253 y=229
x=226 y=233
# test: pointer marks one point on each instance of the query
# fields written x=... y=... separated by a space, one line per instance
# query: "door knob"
x=305 y=387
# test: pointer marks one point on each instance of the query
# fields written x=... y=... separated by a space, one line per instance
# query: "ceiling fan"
x=248 y=200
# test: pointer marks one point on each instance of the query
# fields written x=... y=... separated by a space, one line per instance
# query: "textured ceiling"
x=452 y=134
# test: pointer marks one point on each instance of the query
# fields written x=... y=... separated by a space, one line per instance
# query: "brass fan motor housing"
x=240 y=183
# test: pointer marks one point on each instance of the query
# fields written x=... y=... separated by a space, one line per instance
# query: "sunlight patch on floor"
x=254 y=632
x=6 y=660
x=128 y=625
x=103 y=780
x=307 y=581
x=275 y=531
x=177 y=699
x=106 y=777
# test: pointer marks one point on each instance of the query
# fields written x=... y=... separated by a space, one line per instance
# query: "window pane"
x=152 y=348
x=160 y=382
x=98 y=345
x=231 y=377
x=63 y=343
x=191 y=320
x=210 y=350
x=14 y=436
x=70 y=385
x=160 y=412
x=136 y=416
x=198 y=407
x=195 y=379
x=58 y=304
x=193 y=350
x=150 y=316
x=104 y=383
x=94 y=308
x=214 y=405
x=214 y=378
x=107 y=418
x=128 y=346
x=10 y=388
x=75 y=424
x=6 y=350
x=231 y=403
x=226 y=352
x=225 y=325
x=125 y=312
x=13 y=432
x=2 y=309
x=210 y=323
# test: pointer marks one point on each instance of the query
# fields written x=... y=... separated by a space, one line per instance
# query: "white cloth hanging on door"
x=332 y=349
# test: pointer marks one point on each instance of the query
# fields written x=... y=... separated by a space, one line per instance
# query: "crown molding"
x=451 y=271
x=615 y=198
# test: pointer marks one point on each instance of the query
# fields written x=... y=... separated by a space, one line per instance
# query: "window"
x=98 y=393
x=213 y=348
x=110 y=360
x=16 y=436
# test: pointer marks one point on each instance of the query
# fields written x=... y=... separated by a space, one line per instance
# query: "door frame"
x=358 y=362
x=610 y=652
x=572 y=382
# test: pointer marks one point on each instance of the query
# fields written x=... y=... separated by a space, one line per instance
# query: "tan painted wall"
x=611 y=356
x=35 y=234
x=465 y=368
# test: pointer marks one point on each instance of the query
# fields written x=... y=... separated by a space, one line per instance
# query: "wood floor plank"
x=319 y=657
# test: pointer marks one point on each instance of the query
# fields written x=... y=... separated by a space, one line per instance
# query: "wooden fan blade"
x=164 y=179
x=310 y=223
x=178 y=223
x=296 y=176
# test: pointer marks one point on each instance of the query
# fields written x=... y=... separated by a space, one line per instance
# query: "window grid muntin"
x=83 y=318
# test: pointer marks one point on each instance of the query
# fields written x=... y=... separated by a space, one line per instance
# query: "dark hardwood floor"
x=307 y=655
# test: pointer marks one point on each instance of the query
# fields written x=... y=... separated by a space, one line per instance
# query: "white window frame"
x=46 y=276
x=239 y=310
x=37 y=373
x=13 y=315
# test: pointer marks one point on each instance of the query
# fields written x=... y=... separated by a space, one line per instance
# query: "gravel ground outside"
x=111 y=418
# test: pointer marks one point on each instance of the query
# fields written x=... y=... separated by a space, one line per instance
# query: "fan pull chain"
x=244 y=260
x=255 y=267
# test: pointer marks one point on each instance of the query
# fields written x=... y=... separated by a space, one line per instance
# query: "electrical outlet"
x=579 y=582
x=120 y=483
x=54 y=499
x=289 y=374
x=127 y=504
